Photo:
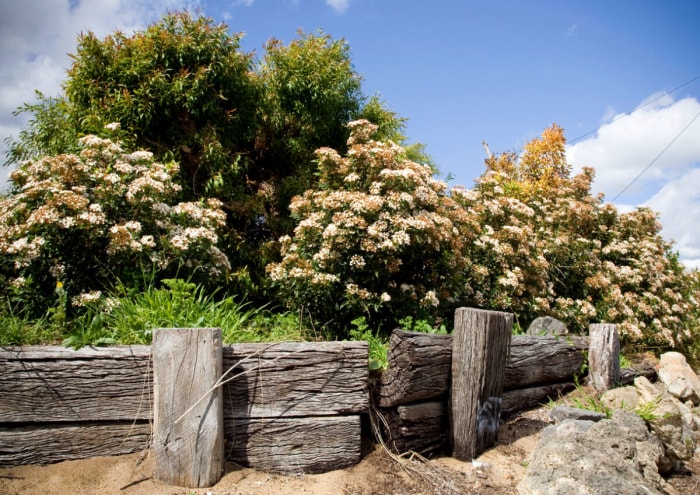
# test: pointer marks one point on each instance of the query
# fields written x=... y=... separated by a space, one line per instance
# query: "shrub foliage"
x=104 y=215
x=378 y=236
x=281 y=172
x=546 y=245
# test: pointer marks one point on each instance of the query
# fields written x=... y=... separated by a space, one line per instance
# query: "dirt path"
x=496 y=472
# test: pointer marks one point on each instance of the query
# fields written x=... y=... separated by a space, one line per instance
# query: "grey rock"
x=617 y=455
x=668 y=422
x=679 y=378
x=568 y=427
x=547 y=326
x=562 y=413
x=626 y=398
x=690 y=415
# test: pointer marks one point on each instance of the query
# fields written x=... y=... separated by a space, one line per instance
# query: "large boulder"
x=617 y=455
x=672 y=422
x=664 y=415
x=679 y=378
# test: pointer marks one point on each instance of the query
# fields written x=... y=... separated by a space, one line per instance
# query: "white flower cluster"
x=86 y=298
x=124 y=202
x=372 y=214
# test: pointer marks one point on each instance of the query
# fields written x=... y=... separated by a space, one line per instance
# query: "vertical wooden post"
x=604 y=356
x=188 y=423
x=479 y=354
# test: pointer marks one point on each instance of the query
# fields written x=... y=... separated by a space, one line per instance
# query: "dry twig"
x=442 y=480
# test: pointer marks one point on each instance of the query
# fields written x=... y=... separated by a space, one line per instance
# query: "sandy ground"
x=497 y=471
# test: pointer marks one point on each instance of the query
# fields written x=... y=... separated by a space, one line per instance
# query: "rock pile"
x=654 y=427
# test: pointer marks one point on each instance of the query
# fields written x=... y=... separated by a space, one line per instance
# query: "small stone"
x=562 y=413
x=546 y=326
x=625 y=398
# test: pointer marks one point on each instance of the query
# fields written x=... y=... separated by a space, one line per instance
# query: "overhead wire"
x=657 y=157
x=653 y=100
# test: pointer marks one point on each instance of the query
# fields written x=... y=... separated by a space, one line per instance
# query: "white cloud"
x=572 y=31
x=678 y=204
x=340 y=6
x=38 y=35
x=629 y=143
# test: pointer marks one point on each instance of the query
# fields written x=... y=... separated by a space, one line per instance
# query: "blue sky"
x=462 y=72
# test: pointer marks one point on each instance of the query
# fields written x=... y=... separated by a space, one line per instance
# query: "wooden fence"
x=292 y=406
x=412 y=393
x=287 y=407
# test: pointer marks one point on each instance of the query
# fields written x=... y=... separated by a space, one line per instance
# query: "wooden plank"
x=527 y=398
x=419 y=368
x=419 y=365
x=479 y=356
x=540 y=360
x=296 y=379
x=627 y=375
x=604 y=356
x=188 y=422
x=46 y=384
x=49 y=383
x=295 y=445
x=419 y=427
x=46 y=444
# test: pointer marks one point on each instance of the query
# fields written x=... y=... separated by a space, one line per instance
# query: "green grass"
x=17 y=330
x=377 y=345
x=583 y=398
x=647 y=411
x=625 y=362
x=592 y=403
x=125 y=318
x=178 y=304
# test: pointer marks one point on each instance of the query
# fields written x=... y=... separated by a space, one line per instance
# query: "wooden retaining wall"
x=290 y=407
x=412 y=393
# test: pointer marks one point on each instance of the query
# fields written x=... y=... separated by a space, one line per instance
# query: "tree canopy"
x=278 y=177
x=243 y=130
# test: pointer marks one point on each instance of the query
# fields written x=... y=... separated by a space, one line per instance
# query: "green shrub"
x=84 y=221
x=377 y=344
x=377 y=237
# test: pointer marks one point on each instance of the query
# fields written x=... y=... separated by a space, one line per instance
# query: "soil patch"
x=496 y=472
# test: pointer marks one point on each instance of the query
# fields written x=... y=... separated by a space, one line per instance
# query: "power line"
x=642 y=106
x=658 y=156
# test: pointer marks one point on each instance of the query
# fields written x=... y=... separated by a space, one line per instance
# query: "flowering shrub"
x=643 y=287
x=378 y=236
x=503 y=271
x=547 y=246
x=103 y=215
